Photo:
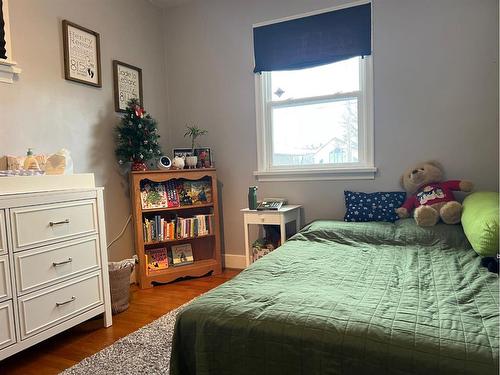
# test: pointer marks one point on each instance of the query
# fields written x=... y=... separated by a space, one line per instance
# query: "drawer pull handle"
x=55 y=264
x=65 y=302
x=52 y=223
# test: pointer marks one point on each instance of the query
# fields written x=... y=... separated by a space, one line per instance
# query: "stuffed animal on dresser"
x=429 y=197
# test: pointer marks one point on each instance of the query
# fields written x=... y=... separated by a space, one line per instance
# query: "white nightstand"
x=284 y=215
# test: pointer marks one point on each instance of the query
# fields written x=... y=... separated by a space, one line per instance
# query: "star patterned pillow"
x=373 y=206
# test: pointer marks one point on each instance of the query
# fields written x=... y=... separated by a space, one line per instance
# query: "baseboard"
x=234 y=261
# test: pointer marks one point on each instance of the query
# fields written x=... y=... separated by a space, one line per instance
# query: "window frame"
x=8 y=66
x=365 y=169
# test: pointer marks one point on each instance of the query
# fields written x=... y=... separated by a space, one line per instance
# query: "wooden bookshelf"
x=206 y=248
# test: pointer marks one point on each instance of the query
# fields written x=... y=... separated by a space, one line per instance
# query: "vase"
x=139 y=166
x=191 y=161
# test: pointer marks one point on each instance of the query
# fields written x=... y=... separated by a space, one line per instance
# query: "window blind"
x=313 y=40
x=3 y=51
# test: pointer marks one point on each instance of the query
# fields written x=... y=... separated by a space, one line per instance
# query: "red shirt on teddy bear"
x=433 y=193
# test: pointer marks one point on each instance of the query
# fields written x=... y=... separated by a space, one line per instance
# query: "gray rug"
x=145 y=351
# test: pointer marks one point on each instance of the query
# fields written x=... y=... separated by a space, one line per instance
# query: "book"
x=182 y=254
x=153 y=195
x=157 y=259
x=201 y=191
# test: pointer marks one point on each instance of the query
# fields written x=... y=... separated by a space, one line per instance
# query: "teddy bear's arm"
x=404 y=211
x=459 y=185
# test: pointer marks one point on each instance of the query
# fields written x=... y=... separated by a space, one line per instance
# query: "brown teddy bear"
x=431 y=197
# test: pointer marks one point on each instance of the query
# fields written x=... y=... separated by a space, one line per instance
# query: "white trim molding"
x=8 y=67
x=234 y=261
x=351 y=173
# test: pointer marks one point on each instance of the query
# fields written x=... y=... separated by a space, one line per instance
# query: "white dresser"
x=53 y=263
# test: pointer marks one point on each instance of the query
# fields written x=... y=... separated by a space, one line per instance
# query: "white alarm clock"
x=164 y=162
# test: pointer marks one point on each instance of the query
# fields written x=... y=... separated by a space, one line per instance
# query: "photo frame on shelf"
x=182 y=152
x=127 y=84
x=182 y=254
x=204 y=155
x=82 y=55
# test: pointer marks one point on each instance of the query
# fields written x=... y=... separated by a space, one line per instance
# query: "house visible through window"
x=314 y=94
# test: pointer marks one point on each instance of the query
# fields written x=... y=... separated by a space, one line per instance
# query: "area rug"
x=145 y=351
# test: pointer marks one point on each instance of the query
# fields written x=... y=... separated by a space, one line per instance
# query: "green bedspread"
x=349 y=298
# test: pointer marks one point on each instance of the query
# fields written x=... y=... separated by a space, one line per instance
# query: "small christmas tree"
x=136 y=137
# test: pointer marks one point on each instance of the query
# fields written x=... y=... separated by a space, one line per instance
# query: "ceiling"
x=168 y=3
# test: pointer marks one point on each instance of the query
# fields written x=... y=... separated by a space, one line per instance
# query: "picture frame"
x=82 y=54
x=182 y=152
x=204 y=155
x=127 y=84
x=182 y=254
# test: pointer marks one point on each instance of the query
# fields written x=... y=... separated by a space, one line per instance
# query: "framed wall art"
x=82 y=56
x=127 y=84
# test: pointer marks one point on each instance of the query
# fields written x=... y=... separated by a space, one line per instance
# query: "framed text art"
x=127 y=84
x=82 y=56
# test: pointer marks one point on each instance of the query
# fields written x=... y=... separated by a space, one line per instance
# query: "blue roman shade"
x=313 y=40
x=3 y=52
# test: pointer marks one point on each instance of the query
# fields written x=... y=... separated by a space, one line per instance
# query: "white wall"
x=44 y=111
x=435 y=78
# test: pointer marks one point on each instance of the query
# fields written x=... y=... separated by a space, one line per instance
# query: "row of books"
x=162 y=258
x=175 y=193
x=159 y=229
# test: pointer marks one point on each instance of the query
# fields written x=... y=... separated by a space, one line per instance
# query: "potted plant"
x=193 y=132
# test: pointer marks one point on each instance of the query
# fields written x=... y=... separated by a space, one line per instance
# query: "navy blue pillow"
x=373 y=206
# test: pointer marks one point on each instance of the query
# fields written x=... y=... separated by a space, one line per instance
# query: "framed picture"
x=182 y=152
x=182 y=254
x=82 y=56
x=204 y=157
x=127 y=84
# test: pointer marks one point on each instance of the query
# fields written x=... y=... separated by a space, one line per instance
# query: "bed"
x=349 y=298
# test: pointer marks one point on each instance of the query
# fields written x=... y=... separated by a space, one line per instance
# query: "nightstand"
x=286 y=214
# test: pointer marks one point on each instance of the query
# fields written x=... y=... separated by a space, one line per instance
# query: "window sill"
x=348 y=173
x=8 y=71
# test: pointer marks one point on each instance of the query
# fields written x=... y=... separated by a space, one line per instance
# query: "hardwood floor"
x=70 y=347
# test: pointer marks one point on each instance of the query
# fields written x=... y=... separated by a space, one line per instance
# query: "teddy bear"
x=430 y=196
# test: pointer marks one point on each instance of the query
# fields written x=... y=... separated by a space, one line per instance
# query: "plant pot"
x=139 y=166
x=191 y=161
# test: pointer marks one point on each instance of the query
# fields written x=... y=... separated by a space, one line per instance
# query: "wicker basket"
x=119 y=282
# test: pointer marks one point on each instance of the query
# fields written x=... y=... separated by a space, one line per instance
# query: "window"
x=8 y=69
x=315 y=122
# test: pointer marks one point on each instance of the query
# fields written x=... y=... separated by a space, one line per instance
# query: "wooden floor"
x=70 y=347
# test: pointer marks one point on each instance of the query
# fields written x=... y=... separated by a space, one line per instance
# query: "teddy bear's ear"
x=435 y=164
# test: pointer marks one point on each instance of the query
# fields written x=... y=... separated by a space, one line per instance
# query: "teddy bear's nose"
x=415 y=171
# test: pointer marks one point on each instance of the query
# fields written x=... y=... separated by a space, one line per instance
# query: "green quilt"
x=349 y=298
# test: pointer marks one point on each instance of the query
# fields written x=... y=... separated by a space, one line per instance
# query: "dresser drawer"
x=43 y=309
x=37 y=225
x=5 y=289
x=43 y=266
x=7 y=333
x=3 y=231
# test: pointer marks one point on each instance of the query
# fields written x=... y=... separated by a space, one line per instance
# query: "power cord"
x=129 y=219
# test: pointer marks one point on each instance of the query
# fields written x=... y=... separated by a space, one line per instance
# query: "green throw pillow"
x=480 y=222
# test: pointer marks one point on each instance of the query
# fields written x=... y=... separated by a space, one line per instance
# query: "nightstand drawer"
x=37 y=225
x=46 y=265
x=7 y=333
x=48 y=307
x=263 y=218
x=3 y=231
x=5 y=290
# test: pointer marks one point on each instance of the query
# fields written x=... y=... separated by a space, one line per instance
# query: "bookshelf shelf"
x=177 y=240
x=146 y=210
x=206 y=248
